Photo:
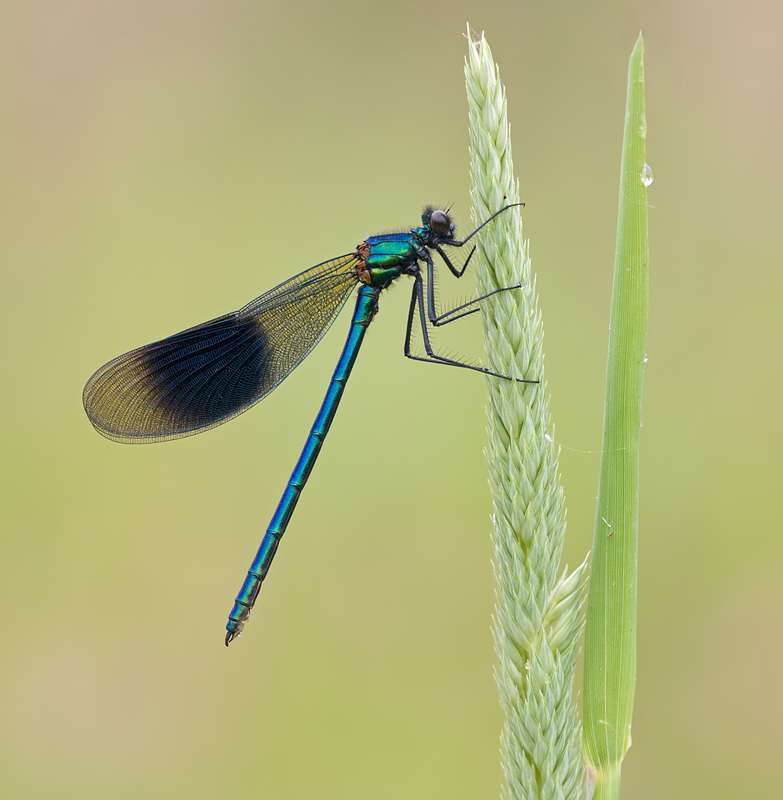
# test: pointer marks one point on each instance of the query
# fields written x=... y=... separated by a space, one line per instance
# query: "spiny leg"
x=417 y=299
x=486 y=222
x=457 y=273
x=441 y=319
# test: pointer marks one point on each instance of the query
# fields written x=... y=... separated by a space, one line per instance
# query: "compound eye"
x=440 y=224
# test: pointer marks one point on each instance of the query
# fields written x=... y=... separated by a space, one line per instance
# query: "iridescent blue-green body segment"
x=382 y=260
x=208 y=374
x=366 y=306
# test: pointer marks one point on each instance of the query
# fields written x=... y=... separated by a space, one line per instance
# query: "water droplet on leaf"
x=647 y=175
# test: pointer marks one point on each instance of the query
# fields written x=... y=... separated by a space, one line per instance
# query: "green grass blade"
x=610 y=641
x=538 y=617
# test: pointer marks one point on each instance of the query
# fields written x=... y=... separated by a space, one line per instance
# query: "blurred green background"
x=165 y=162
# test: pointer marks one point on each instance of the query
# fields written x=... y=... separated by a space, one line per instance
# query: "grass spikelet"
x=538 y=617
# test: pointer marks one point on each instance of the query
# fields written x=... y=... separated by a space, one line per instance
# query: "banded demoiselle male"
x=207 y=375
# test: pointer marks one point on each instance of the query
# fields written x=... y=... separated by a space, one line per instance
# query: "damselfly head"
x=439 y=222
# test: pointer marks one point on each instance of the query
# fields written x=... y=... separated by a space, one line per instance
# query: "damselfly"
x=206 y=375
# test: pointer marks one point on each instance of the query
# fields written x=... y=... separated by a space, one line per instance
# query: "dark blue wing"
x=209 y=374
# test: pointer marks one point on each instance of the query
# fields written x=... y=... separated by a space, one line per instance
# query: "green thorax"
x=386 y=257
